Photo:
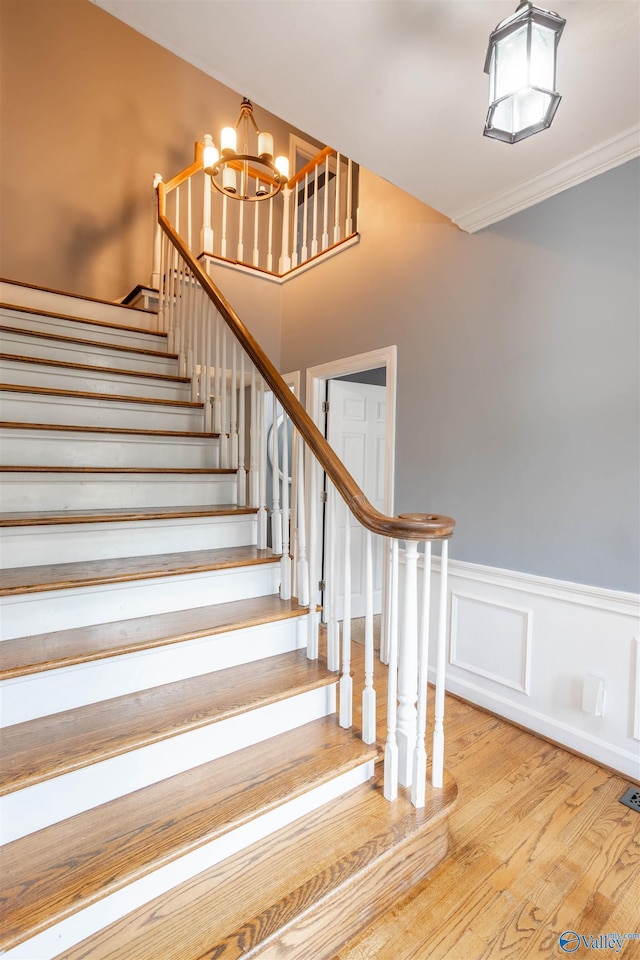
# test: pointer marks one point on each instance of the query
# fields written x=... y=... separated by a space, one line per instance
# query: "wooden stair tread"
x=130 y=431
x=90 y=395
x=62 y=576
x=112 y=515
x=38 y=312
x=49 y=651
x=84 y=342
x=315 y=882
x=94 y=368
x=143 y=831
x=38 y=750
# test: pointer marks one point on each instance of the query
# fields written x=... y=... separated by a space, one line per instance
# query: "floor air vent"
x=631 y=798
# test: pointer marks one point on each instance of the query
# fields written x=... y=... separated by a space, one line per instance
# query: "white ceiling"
x=398 y=85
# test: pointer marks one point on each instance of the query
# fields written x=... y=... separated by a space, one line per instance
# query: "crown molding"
x=605 y=157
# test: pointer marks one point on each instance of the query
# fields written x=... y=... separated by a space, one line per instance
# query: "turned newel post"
x=408 y=666
x=285 y=258
x=206 y=233
x=157 y=239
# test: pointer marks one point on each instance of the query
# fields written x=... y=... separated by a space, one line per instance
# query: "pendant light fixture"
x=521 y=63
x=245 y=175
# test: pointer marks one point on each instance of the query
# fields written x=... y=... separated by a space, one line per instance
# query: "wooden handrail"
x=311 y=165
x=407 y=527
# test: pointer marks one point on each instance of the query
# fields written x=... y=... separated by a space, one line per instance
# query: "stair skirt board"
x=78 y=491
x=67 y=933
x=54 y=691
x=78 y=542
x=30 y=446
x=112 y=412
x=51 y=801
x=25 y=614
x=64 y=346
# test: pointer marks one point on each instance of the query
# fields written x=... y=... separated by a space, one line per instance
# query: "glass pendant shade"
x=521 y=63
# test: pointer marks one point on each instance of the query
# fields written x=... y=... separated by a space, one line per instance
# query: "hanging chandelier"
x=245 y=175
x=521 y=63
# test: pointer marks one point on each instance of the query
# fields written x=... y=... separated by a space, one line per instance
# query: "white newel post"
x=157 y=239
x=285 y=258
x=391 y=746
x=206 y=233
x=437 y=759
x=408 y=666
x=418 y=787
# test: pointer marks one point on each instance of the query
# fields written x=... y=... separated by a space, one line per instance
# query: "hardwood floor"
x=540 y=845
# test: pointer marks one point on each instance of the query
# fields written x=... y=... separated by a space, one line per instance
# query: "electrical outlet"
x=593 y=696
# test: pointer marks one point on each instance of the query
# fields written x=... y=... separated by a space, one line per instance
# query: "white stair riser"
x=27 y=408
x=38 y=806
x=54 y=302
x=42 y=375
x=39 y=448
x=103 y=356
x=25 y=614
x=76 y=542
x=64 y=935
x=40 y=694
x=85 y=491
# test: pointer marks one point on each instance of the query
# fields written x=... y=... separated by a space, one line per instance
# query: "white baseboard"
x=521 y=646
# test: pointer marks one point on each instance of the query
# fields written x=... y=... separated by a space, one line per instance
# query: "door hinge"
x=324 y=496
x=325 y=406
x=322 y=585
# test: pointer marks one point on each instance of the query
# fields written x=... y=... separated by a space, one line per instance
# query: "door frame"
x=316 y=385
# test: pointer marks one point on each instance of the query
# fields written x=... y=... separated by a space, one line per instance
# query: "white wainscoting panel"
x=521 y=646
x=491 y=639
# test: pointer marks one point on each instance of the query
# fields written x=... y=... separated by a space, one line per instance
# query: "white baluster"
x=223 y=230
x=256 y=252
x=349 y=220
x=418 y=786
x=302 y=571
x=408 y=666
x=217 y=398
x=325 y=219
x=294 y=245
x=157 y=237
x=224 y=436
x=285 y=258
x=369 y=693
x=346 y=682
x=304 y=254
x=314 y=234
x=336 y=219
x=314 y=507
x=254 y=436
x=242 y=473
x=233 y=411
x=276 y=513
x=391 y=746
x=331 y=581
x=206 y=233
x=270 y=238
x=240 y=252
x=262 y=469
x=285 y=586
x=207 y=357
x=437 y=757
x=162 y=286
x=189 y=213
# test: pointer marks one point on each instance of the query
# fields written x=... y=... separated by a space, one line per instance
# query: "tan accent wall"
x=89 y=111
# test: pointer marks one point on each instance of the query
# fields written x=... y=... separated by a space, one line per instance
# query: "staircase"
x=174 y=779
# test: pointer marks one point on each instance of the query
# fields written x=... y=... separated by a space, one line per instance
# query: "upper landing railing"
x=240 y=389
x=313 y=215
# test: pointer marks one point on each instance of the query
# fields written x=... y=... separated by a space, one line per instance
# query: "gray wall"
x=518 y=369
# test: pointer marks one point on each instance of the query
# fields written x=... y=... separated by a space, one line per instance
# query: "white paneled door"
x=356 y=429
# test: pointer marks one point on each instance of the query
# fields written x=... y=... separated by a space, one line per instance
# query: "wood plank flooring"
x=539 y=845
